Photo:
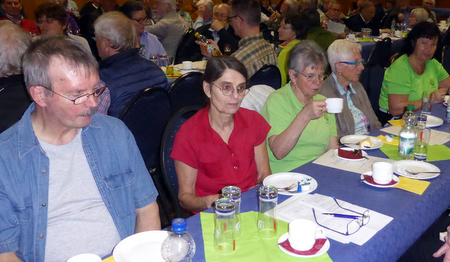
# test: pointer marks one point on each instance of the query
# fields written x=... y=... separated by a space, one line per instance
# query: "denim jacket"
x=116 y=164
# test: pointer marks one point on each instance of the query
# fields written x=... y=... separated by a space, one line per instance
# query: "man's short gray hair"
x=304 y=54
x=208 y=4
x=13 y=44
x=173 y=3
x=293 y=5
x=420 y=14
x=40 y=54
x=118 y=29
x=341 y=50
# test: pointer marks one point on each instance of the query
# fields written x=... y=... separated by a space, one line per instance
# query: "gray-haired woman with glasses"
x=357 y=116
x=222 y=144
x=301 y=128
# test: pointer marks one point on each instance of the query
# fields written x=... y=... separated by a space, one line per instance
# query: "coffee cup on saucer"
x=382 y=172
x=303 y=234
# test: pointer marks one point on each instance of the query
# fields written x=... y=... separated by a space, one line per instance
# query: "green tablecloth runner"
x=435 y=152
x=250 y=247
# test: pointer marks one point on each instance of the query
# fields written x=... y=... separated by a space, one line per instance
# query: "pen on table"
x=342 y=215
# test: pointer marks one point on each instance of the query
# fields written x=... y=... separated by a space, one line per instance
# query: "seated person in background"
x=82 y=203
x=379 y=11
x=392 y=12
x=266 y=10
x=205 y=13
x=288 y=7
x=71 y=6
x=185 y=15
x=414 y=72
x=291 y=32
x=334 y=15
x=135 y=11
x=405 y=9
x=357 y=117
x=301 y=128
x=72 y=25
x=315 y=32
x=121 y=68
x=222 y=144
x=89 y=7
x=428 y=5
x=364 y=20
x=312 y=5
x=12 y=9
x=169 y=27
x=14 y=98
x=219 y=30
x=418 y=15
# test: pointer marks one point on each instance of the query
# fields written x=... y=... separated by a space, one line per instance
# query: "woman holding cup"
x=414 y=72
x=302 y=130
x=357 y=115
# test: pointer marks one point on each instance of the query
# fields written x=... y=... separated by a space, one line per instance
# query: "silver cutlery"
x=423 y=172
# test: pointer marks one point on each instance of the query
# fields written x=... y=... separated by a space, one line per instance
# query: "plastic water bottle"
x=448 y=111
x=142 y=51
x=407 y=134
x=393 y=26
x=210 y=48
x=179 y=246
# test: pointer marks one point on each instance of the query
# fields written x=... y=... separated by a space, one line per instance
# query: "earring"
x=340 y=74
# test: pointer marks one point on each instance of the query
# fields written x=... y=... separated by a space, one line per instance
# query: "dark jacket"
x=191 y=51
x=355 y=23
x=125 y=74
x=379 y=14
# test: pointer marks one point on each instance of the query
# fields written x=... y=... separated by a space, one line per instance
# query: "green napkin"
x=435 y=152
x=249 y=246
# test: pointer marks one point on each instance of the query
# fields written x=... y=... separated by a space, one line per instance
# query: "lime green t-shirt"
x=400 y=79
x=280 y=109
x=282 y=60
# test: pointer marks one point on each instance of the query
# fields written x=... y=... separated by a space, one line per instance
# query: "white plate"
x=416 y=166
x=322 y=251
x=336 y=154
x=144 y=246
x=395 y=178
x=288 y=178
x=350 y=141
x=434 y=121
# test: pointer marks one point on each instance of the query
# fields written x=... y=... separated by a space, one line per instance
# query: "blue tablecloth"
x=412 y=213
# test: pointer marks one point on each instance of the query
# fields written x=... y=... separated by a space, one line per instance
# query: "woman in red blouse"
x=222 y=144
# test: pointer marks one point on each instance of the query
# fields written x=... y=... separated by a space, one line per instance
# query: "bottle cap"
x=178 y=225
x=410 y=108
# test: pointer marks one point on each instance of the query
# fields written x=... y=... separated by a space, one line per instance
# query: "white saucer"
x=322 y=251
x=350 y=141
x=141 y=247
x=288 y=178
x=395 y=178
x=336 y=154
x=416 y=166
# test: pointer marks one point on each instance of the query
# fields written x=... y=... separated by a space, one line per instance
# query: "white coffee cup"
x=85 y=258
x=398 y=33
x=303 y=234
x=334 y=105
x=384 y=35
x=187 y=65
x=382 y=172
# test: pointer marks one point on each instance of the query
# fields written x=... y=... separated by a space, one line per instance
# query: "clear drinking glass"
x=234 y=193
x=224 y=240
x=267 y=221
x=426 y=102
x=421 y=144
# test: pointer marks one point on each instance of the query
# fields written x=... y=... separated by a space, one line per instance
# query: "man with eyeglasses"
x=219 y=30
x=334 y=15
x=205 y=13
x=122 y=68
x=71 y=181
x=169 y=27
x=12 y=9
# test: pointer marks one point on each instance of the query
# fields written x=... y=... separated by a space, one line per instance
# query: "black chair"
x=446 y=58
x=187 y=91
x=381 y=53
x=183 y=41
x=167 y=164
x=267 y=75
x=146 y=115
x=372 y=79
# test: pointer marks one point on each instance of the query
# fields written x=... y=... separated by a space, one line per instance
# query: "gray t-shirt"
x=78 y=221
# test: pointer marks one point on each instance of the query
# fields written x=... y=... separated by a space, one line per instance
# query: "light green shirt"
x=400 y=79
x=281 y=107
x=283 y=58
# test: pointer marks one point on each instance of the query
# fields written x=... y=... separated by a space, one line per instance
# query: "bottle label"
x=406 y=143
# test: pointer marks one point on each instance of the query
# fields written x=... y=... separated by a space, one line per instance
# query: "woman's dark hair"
x=218 y=64
x=421 y=30
x=297 y=25
x=53 y=11
x=130 y=7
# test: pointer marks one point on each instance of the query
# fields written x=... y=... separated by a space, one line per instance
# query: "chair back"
x=178 y=56
x=187 y=91
x=381 y=53
x=267 y=75
x=167 y=164
x=372 y=79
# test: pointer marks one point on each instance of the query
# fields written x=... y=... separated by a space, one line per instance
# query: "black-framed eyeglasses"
x=312 y=77
x=232 y=17
x=99 y=89
x=227 y=89
x=355 y=63
x=140 y=21
x=359 y=220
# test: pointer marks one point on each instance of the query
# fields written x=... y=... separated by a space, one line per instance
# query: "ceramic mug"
x=334 y=105
x=303 y=234
x=382 y=172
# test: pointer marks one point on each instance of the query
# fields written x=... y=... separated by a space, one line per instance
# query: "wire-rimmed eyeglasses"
x=355 y=63
x=99 y=89
x=354 y=225
x=312 y=77
x=227 y=89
